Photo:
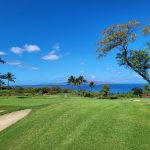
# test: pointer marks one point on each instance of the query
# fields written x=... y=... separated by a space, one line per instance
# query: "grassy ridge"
x=74 y=123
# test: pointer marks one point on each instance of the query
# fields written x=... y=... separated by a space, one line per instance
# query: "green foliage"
x=137 y=91
x=76 y=81
x=147 y=89
x=91 y=85
x=55 y=89
x=105 y=90
x=119 y=37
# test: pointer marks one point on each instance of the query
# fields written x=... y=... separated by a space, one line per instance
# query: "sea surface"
x=114 y=88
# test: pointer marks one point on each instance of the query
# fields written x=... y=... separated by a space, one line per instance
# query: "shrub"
x=105 y=91
x=55 y=89
x=137 y=91
x=88 y=94
x=65 y=90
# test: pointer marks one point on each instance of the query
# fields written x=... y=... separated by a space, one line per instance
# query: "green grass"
x=75 y=123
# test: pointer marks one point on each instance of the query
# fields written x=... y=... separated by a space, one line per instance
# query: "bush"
x=137 y=91
x=65 y=90
x=88 y=94
x=55 y=89
x=126 y=95
x=105 y=91
x=113 y=97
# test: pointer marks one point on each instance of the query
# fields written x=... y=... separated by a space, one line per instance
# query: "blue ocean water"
x=114 y=88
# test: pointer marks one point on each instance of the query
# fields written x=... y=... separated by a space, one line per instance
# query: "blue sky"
x=45 y=41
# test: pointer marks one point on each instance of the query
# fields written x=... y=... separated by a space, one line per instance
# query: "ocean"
x=114 y=88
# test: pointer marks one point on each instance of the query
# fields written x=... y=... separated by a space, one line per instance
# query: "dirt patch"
x=11 y=118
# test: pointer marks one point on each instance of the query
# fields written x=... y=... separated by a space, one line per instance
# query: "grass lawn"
x=75 y=123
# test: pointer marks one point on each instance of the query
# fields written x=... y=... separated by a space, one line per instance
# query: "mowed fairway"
x=75 y=123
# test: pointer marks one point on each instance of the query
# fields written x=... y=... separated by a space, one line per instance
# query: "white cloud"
x=26 y=48
x=2 y=53
x=32 y=68
x=19 y=64
x=16 y=50
x=51 y=56
x=31 y=48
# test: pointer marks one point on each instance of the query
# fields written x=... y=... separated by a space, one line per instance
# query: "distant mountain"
x=63 y=84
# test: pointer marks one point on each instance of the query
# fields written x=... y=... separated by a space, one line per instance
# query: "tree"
x=137 y=91
x=72 y=80
x=105 y=90
x=80 y=80
x=9 y=77
x=119 y=37
x=147 y=88
x=91 y=85
x=2 y=83
x=2 y=76
x=146 y=30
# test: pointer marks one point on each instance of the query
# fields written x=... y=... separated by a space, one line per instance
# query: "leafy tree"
x=105 y=90
x=119 y=37
x=137 y=91
x=91 y=85
x=146 y=30
x=147 y=89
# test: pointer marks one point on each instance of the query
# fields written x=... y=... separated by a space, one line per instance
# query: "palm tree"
x=9 y=77
x=72 y=80
x=80 y=81
x=1 y=83
x=91 y=85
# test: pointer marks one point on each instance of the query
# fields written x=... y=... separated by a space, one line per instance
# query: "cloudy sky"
x=45 y=41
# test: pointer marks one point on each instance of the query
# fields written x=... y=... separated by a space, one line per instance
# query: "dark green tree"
x=72 y=80
x=105 y=90
x=80 y=81
x=91 y=85
x=1 y=76
x=119 y=37
x=137 y=91
x=9 y=77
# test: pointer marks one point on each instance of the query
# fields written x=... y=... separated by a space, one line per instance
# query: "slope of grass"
x=75 y=123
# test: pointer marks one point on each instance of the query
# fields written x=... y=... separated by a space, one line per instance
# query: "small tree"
x=91 y=85
x=137 y=91
x=147 y=89
x=105 y=90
